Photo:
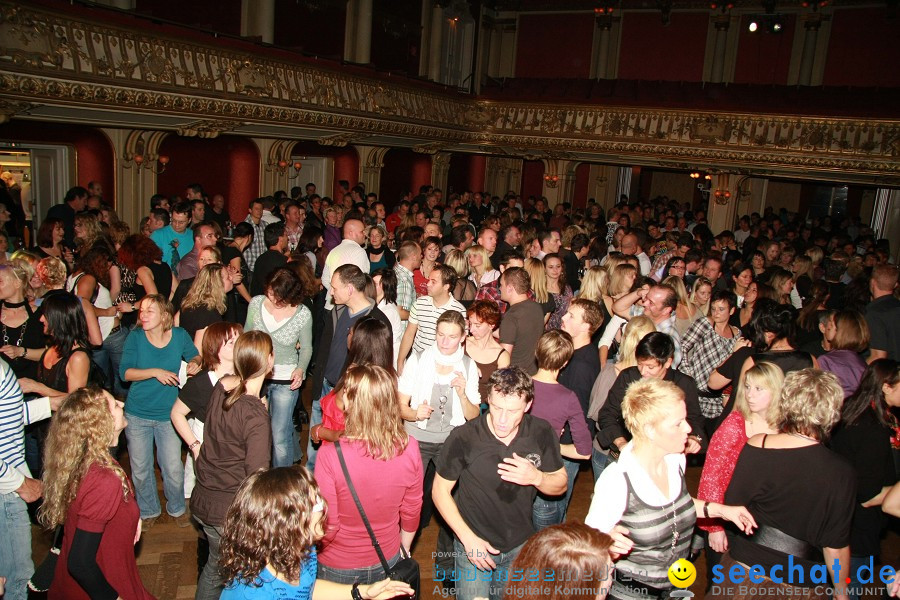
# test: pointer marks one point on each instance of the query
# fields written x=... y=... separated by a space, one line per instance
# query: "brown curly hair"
x=138 y=251
x=79 y=437
x=270 y=521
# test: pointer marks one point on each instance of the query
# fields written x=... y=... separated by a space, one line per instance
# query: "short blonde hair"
x=52 y=272
x=166 y=311
x=456 y=260
x=647 y=402
x=767 y=375
x=810 y=403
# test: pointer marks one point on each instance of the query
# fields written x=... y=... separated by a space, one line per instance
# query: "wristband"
x=706 y=509
x=354 y=592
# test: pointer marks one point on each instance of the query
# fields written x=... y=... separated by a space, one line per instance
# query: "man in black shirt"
x=491 y=513
x=276 y=241
x=654 y=355
x=73 y=203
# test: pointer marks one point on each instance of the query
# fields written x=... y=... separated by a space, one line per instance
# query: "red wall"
x=764 y=57
x=227 y=165
x=93 y=151
x=582 y=182
x=645 y=39
x=863 y=49
x=466 y=172
x=403 y=171
x=532 y=179
x=556 y=45
x=216 y=15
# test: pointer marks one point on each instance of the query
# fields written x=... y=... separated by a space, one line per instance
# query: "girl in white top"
x=481 y=271
x=386 y=296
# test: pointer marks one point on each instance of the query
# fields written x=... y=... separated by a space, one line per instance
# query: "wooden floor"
x=167 y=554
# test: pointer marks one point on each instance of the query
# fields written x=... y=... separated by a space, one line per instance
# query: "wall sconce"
x=147 y=162
x=722 y=196
x=282 y=165
x=551 y=180
x=603 y=15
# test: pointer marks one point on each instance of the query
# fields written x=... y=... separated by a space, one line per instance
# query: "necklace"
x=804 y=437
x=674 y=528
x=14 y=304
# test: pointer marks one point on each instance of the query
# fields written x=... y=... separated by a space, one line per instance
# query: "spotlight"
x=753 y=26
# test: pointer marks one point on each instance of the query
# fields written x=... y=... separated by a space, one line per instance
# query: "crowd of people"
x=465 y=357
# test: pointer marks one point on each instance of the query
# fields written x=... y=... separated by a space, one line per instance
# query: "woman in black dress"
x=205 y=302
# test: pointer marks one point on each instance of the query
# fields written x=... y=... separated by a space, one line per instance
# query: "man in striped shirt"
x=16 y=488
x=409 y=258
x=421 y=330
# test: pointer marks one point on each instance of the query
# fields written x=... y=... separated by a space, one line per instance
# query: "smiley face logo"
x=682 y=573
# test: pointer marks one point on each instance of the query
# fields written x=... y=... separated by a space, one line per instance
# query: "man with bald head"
x=631 y=246
x=349 y=252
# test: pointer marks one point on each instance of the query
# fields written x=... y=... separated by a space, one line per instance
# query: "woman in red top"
x=370 y=343
x=755 y=399
x=87 y=490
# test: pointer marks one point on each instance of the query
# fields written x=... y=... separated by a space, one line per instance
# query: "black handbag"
x=43 y=575
x=406 y=569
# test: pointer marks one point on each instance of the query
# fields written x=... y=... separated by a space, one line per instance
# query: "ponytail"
x=251 y=359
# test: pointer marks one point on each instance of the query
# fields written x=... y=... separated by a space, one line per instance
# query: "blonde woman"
x=481 y=270
x=755 y=403
x=621 y=281
x=803 y=272
x=87 y=490
x=88 y=233
x=636 y=329
x=465 y=288
x=645 y=491
x=783 y=284
x=151 y=361
x=385 y=466
x=20 y=327
x=538 y=274
x=685 y=312
x=205 y=302
x=701 y=292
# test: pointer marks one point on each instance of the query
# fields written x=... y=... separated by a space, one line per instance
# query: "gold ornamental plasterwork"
x=51 y=58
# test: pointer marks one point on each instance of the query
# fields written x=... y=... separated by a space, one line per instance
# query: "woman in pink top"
x=754 y=403
x=386 y=469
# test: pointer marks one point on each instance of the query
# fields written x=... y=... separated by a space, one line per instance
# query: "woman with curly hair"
x=21 y=332
x=87 y=490
x=237 y=440
x=269 y=542
x=88 y=233
x=383 y=460
x=205 y=302
x=143 y=273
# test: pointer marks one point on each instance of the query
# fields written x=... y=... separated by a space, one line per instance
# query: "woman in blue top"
x=151 y=361
x=268 y=545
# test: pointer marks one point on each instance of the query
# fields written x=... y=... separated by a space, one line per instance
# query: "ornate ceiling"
x=54 y=67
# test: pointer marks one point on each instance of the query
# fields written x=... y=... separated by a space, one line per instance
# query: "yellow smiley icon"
x=682 y=573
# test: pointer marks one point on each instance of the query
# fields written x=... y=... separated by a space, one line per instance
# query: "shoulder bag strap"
x=362 y=513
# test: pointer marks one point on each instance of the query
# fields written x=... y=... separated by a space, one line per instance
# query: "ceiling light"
x=753 y=26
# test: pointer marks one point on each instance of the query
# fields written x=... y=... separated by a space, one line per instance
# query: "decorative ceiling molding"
x=71 y=65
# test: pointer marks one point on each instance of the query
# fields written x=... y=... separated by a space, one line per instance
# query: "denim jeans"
x=363 y=575
x=551 y=510
x=599 y=462
x=443 y=556
x=15 y=549
x=210 y=584
x=285 y=444
x=315 y=418
x=113 y=347
x=141 y=435
x=471 y=582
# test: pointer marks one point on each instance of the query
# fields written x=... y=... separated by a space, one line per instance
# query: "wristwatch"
x=192 y=446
